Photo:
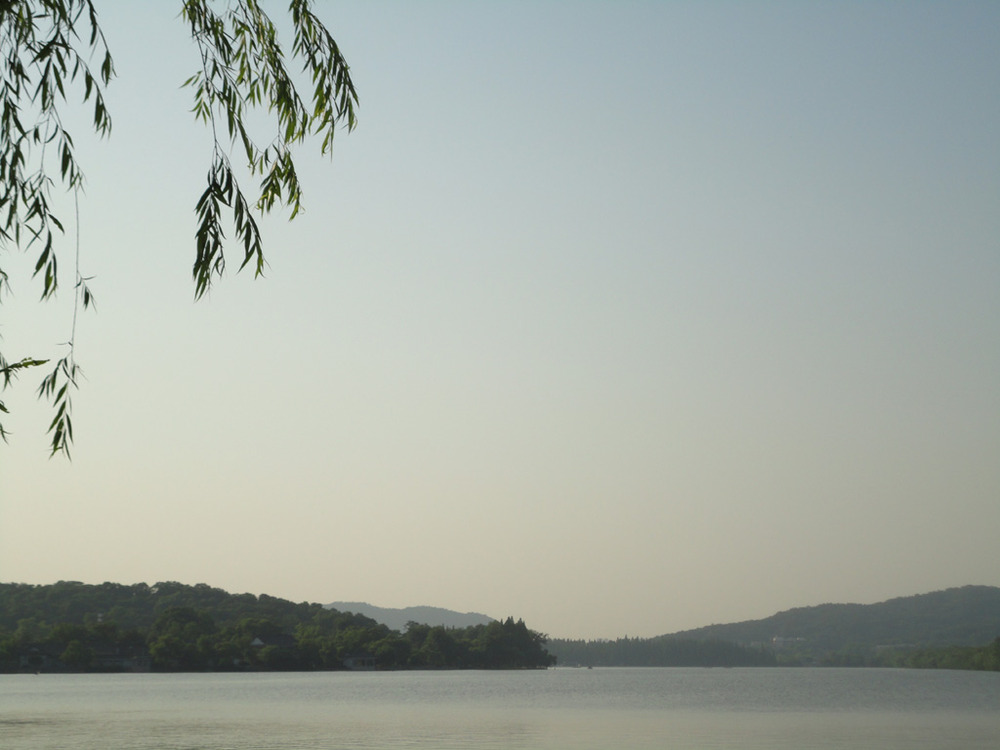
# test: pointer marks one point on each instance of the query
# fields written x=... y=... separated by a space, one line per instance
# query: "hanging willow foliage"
x=45 y=46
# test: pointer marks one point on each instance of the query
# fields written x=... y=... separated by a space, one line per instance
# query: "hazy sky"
x=619 y=317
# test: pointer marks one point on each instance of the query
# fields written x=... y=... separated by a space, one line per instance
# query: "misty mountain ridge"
x=962 y=616
x=396 y=618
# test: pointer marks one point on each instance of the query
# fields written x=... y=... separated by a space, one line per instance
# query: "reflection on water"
x=537 y=710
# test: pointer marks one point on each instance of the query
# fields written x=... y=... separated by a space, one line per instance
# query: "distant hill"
x=944 y=629
x=965 y=616
x=396 y=619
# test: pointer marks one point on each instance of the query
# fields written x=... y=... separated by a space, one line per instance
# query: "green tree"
x=77 y=655
x=31 y=630
x=438 y=650
x=65 y=632
x=182 y=638
x=391 y=651
x=46 y=47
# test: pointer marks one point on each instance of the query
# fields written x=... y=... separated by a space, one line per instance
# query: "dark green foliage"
x=140 y=605
x=508 y=644
x=941 y=657
x=174 y=627
x=77 y=655
x=499 y=645
x=663 y=651
x=102 y=646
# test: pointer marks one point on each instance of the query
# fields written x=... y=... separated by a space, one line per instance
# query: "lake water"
x=617 y=709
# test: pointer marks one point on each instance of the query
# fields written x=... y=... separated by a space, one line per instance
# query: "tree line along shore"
x=110 y=627
x=72 y=626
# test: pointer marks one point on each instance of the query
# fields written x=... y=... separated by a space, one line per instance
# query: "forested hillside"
x=966 y=616
x=172 y=626
x=139 y=605
x=955 y=629
x=866 y=633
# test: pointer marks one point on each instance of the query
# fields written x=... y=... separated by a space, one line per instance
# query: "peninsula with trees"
x=170 y=627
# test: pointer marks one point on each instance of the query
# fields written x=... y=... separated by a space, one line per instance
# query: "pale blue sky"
x=618 y=317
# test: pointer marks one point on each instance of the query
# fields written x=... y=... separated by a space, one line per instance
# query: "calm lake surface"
x=535 y=710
